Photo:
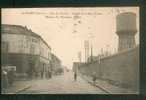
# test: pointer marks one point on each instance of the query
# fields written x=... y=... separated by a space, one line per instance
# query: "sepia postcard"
x=70 y=50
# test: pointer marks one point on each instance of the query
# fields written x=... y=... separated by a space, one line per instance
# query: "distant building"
x=126 y=30
x=55 y=64
x=24 y=49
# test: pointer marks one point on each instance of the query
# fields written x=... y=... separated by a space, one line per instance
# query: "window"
x=41 y=52
x=32 y=49
x=27 y=41
x=34 y=40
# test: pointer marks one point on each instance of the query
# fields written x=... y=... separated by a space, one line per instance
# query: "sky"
x=66 y=29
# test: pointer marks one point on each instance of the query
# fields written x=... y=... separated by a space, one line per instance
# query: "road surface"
x=62 y=84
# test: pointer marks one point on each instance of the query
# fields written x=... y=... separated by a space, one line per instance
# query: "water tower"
x=126 y=30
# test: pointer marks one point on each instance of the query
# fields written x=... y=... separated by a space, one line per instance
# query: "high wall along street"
x=122 y=68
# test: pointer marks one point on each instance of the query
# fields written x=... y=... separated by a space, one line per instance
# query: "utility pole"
x=91 y=54
x=79 y=56
x=91 y=37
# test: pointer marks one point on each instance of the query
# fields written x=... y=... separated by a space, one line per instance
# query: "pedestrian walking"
x=50 y=74
x=75 y=76
x=94 y=78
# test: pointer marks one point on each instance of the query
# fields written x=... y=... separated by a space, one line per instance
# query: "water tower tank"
x=126 y=22
x=126 y=30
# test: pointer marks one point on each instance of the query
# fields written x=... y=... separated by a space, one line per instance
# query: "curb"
x=97 y=86
x=23 y=89
x=105 y=90
x=19 y=90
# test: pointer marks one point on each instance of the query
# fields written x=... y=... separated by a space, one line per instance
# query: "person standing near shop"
x=4 y=81
x=11 y=76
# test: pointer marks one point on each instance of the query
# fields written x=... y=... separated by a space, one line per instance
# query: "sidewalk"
x=107 y=87
x=18 y=86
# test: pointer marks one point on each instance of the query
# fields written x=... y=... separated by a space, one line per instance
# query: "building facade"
x=24 y=49
x=55 y=64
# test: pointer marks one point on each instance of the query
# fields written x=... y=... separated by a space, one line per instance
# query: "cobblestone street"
x=62 y=84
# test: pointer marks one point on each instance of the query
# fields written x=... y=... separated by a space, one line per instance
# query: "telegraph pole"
x=91 y=36
x=91 y=54
x=79 y=56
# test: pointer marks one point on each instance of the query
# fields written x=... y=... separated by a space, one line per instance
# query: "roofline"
x=56 y=57
x=20 y=26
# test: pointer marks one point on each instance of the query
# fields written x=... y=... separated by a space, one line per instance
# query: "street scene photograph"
x=70 y=50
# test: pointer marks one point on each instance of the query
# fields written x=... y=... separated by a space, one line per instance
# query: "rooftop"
x=18 y=29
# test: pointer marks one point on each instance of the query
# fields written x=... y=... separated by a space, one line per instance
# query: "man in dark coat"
x=75 y=76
